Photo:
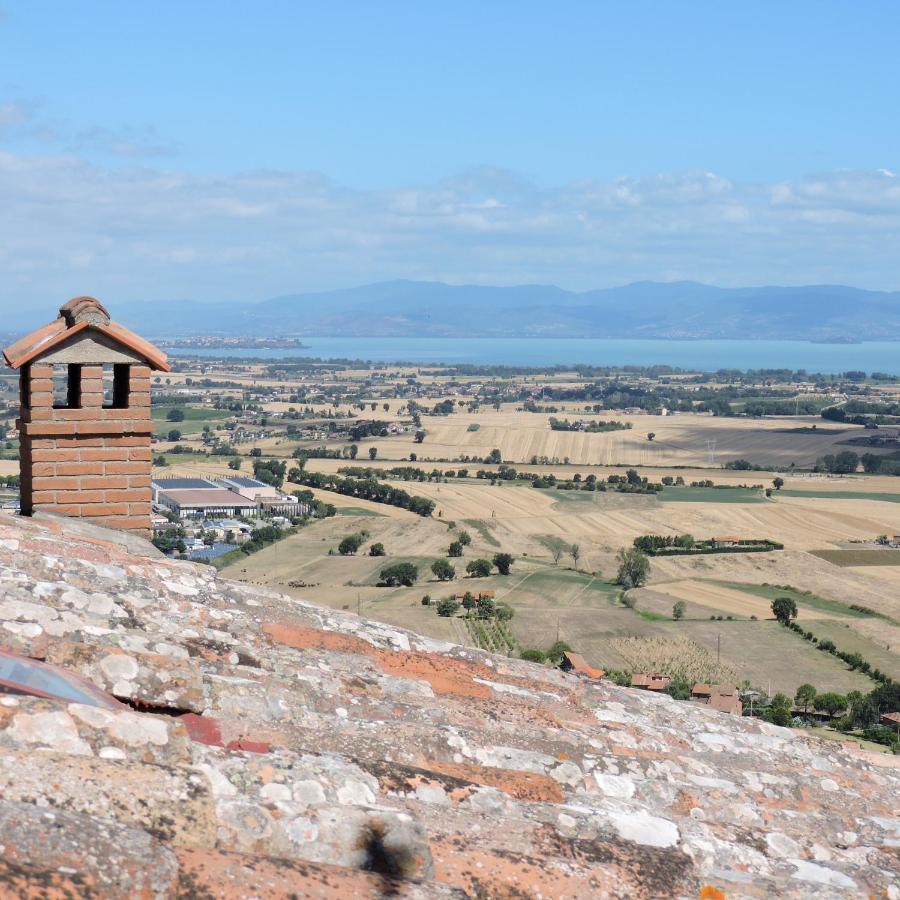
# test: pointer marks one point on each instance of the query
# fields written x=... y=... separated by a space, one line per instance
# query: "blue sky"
x=241 y=150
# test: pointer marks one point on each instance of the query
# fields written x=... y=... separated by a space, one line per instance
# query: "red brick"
x=43 y=497
x=131 y=495
x=39 y=414
x=55 y=483
x=76 y=443
x=140 y=453
x=129 y=441
x=139 y=481
x=139 y=371
x=50 y=428
x=67 y=509
x=104 y=509
x=53 y=454
x=126 y=468
x=140 y=509
x=104 y=483
x=43 y=468
x=80 y=468
x=101 y=454
x=41 y=370
x=80 y=496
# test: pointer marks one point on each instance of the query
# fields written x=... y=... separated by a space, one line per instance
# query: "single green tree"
x=377 y=550
x=804 y=697
x=503 y=562
x=349 y=545
x=678 y=610
x=373 y=452
x=634 y=567
x=399 y=573
x=479 y=568
x=784 y=609
x=174 y=435
x=455 y=549
x=778 y=483
x=575 y=553
x=442 y=570
x=447 y=607
x=830 y=702
x=175 y=415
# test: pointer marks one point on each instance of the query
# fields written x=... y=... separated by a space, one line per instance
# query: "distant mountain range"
x=646 y=309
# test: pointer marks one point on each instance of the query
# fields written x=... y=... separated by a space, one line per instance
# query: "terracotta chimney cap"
x=84 y=309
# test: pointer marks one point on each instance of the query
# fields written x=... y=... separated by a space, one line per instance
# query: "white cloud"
x=144 y=233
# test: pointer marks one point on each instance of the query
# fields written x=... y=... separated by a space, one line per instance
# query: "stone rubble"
x=275 y=748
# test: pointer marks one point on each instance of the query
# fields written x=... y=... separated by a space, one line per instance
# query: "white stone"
x=308 y=792
x=432 y=793
x=221 y=786
x=829 y=784
x=55 y=729
x=275 y=792
x=111 y=753
x=781 y=845
x=617 y=786
x=807 y=871
x=119 y=667
x=642 y=828
x=355 y=793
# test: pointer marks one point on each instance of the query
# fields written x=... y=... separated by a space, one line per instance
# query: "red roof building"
x=576 y=664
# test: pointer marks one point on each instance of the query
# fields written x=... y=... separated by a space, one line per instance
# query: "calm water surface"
x=696 y=355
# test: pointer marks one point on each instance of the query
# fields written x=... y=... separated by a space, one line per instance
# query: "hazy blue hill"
x=647 y=309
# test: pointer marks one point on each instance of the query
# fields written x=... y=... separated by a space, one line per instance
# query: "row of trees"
x=406 y=574
x=365 y=489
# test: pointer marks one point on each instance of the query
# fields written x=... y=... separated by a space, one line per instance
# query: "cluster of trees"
x=407 y=574
x=271 y=471
x=368 y=429
x=843 y=463
x=479 y=607
x=673 y=545
x=651 y=543
x=591 y=427
x=364 y=488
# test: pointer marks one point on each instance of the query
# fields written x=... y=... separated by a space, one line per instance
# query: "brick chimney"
x=85 y=424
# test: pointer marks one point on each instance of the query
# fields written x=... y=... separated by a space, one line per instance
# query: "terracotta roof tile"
x=76 y=315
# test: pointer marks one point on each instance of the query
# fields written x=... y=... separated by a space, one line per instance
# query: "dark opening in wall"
x=66 y=386
x=115 y=385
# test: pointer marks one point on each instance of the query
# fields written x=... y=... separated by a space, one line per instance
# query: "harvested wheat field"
x=680 y=440
x=730 y=601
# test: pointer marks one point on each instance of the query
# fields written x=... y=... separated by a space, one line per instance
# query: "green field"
x=842 y=495
x=845 y=558
x=810 y=601
x=711 y=495
x=357 y=511
x=195 y=418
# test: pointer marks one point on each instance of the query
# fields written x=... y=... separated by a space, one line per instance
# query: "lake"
x=702 y=355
